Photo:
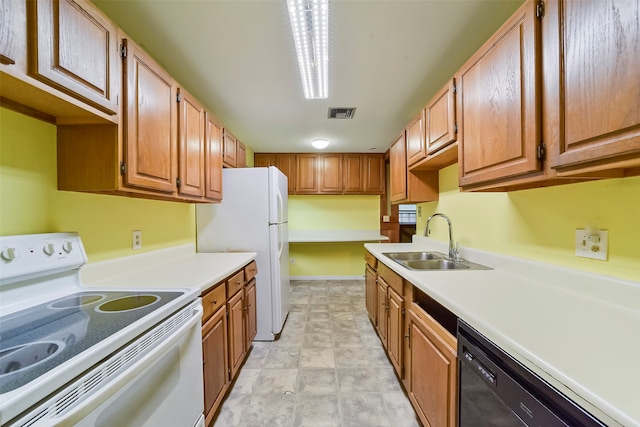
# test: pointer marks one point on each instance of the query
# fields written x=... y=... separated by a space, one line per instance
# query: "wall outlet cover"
x=136 y=240
x=592 y=246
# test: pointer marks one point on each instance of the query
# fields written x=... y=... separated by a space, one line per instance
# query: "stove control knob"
x=8 y=254
x=67 y=246
x=49 y=249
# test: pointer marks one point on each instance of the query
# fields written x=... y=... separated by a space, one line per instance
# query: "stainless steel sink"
x=434 y=264
x=427 y=261
x=414 y=256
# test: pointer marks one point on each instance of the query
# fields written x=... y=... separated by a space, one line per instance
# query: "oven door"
x=160 y=385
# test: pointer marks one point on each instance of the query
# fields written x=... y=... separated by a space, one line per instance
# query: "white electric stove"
x=71 y=355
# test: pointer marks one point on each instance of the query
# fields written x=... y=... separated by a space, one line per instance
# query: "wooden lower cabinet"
x=250 y=308
x=433 y=370
x=229 y=326
x=236 y=332
x=371 y=292
x=215 y=361
x=395 y=323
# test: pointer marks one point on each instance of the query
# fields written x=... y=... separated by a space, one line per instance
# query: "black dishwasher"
x=495 y=390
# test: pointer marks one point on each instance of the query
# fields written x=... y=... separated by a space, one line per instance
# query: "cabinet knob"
x=214 y=302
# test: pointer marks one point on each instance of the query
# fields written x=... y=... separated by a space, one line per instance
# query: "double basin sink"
x=421 y=261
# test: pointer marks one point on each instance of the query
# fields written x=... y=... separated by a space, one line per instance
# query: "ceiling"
x=387 y=58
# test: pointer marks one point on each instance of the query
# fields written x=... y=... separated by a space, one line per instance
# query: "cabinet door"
x=433 y=375
x=371 y=293
x=353 y=173
x=330 y=173
x=307 y=174
x=191 y=146
x=236 y=332
x=288 y=166
x=250 y=309
x=395 y=337
x=150 y=134
x=594 y=69
x=498 y=103
x=261 y=160
x=416 y=148
x=373 y=174
x=398 y=169
x=383 y=313
x=440 y=118
x=213 y=159
x=241 y=155
x=13 y=42
x=76 y=51
x=229 y=158
x=214 y=363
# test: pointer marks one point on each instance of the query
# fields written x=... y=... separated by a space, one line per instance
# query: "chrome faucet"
x=453 y=249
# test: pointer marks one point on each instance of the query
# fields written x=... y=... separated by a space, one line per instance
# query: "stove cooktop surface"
x=38 y=339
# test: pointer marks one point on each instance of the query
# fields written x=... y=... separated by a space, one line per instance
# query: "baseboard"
x=309 y=278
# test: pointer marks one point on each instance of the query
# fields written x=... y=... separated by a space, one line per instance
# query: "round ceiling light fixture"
x=320 y=143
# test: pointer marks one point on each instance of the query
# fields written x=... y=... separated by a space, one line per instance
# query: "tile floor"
x=327 y=369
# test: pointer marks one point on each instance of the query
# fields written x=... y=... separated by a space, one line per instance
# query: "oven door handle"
x=84 y=407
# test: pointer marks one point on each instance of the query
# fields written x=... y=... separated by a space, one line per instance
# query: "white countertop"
x=318 y=236
x=177 y=267
x=578 y=331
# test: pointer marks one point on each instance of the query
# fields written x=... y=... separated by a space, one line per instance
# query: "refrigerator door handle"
x=280 y=241
x=280 y=205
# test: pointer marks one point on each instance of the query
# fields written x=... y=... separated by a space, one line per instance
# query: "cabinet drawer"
x=393 y=279
x=250 y=271
x=235 y=283
x=213 y=300
x=371 y=260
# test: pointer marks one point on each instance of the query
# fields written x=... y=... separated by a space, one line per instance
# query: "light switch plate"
x=594 y=247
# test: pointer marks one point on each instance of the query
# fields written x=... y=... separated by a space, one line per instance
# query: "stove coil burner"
x=128 y=303
x=16 y=359
x=77 y=301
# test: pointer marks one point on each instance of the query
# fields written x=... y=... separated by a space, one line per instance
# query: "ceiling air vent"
x=341 y=113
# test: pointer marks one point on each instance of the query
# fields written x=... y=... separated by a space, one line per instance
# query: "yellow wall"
x=31 y=203
x=331 y=213
x=540 y=224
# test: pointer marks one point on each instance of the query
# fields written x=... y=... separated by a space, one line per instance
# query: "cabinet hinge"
x=455 y=127
x=540 y=152
x=455 y=88
x=178 y=97
x=123 y=168
x=123 y=51
x=403 y=311
x=178 y=182
x=540 y=10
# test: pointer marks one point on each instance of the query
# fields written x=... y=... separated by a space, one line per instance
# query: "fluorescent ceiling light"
x=310 y=27
x=320 y=143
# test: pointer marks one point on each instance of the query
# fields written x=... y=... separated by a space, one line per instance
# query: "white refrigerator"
x=253 y=217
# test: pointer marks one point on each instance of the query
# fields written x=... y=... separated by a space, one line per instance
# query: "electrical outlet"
x=136 y=240
x=293 y=260
x=592 y=246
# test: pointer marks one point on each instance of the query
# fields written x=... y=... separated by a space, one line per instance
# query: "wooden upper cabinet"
x=440 y=119
x=213 y=159
x=287 y=164
x=416 y=147
x=330 y=173
x=398 y=169
x=191 y=146
x=241 y=155
x=353 y=173
x=498 y=108
x=75 y=50
x=592 y=79
x=307 y=174
x=229 y=153
x=261 y=160
x=13 y=43
x=150 y=134
x=374 y=174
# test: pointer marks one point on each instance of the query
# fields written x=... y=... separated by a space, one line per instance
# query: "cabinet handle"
x=408 y=335
x=6 y=60
x=214 y=302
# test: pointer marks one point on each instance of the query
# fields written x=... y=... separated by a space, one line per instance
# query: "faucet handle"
x=455 y=252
